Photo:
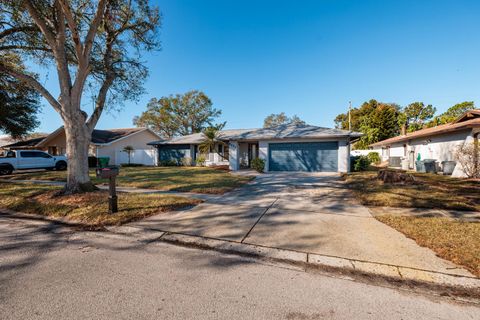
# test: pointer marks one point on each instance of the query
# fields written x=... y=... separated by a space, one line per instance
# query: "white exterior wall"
x=343 y=156
x=397 y=150
x=438 y=147
x=441 y=147
x=138 y=141
x=263 y=152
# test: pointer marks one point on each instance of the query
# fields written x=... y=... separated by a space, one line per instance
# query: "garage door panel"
x=305 y=156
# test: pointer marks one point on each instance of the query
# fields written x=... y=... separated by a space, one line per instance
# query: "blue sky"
x=309 y=58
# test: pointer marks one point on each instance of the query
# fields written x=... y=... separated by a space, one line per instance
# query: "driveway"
x=308 y=212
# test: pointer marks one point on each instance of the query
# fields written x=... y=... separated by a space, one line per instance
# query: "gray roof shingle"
x=280 y=132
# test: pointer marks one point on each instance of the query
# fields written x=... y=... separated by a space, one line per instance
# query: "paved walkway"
x=308 y=212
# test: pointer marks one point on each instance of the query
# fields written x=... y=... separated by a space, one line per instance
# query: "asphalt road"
x=48 y=272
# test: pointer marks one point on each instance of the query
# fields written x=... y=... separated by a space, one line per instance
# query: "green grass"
x=430 y=191
x=186 y=179
x=90 y=209
x=457 y=241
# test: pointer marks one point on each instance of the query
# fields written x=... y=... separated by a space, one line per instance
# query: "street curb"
x=448 y=284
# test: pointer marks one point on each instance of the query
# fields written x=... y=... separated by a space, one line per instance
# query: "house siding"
x=440 y=147
x=137 y=140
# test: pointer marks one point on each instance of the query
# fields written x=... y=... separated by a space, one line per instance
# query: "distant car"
x=30 y=159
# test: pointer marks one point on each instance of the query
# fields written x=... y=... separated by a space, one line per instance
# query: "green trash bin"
x=103 y=162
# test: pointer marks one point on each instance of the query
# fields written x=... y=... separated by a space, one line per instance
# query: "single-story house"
x=105 y=143
x=439 y=143
x=5 y=139
x=283 y=148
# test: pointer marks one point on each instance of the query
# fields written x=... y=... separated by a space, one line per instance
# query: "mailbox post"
x=110 y=173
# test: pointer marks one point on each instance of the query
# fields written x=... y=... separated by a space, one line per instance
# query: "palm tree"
x=211 y=139
x=129 y=150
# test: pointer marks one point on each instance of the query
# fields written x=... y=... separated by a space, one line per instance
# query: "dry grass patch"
x=453 y=240
x=430 y=191
x=186 y=179
x=89 y=208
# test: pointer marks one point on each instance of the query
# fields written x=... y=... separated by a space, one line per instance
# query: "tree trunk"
x=78 y=140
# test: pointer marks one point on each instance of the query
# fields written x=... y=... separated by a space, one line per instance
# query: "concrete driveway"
x=308 y=212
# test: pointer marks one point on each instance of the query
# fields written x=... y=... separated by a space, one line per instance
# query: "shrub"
x=168 y=163
x=132 y=165
x=186 y=162
x=374 y=157
x=361 y=163
x=201 y=161
x=258 y=164
x=469 y=158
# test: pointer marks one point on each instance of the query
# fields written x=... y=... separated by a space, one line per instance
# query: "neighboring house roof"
x=99 y=137
x=5 y=139
x=470 y=119
x=109 y=136
x=280 y=132
x=28 y=143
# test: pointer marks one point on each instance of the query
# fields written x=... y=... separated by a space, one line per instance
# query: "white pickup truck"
x=30 y=159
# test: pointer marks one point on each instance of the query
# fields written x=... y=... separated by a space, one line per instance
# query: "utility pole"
x=350 y=116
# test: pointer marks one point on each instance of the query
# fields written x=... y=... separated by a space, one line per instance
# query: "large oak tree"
x=95 y=48
x=278 y=119
x=179 y=115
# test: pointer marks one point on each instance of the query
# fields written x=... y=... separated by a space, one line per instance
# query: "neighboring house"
x=439 y=143
x=284 y=148
x=105 y=143
x=22 y=144
x=5 y=139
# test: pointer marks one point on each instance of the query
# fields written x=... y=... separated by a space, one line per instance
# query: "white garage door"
x=141 y=156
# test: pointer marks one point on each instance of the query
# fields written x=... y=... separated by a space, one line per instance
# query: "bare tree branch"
x=40 y=23
x=36 y=85
x=13 y=30
x=18 y=47
x=73 y=29
x=93 y=29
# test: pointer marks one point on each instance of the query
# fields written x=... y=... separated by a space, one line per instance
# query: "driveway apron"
x=309 y=212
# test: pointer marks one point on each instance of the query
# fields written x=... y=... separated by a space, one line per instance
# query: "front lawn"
x=453 y=240
x=186 y=179
x=430 y=191
x=90 y=209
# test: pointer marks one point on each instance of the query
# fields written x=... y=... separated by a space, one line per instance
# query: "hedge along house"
x=439 y=143
x=105 y=143
x=283 y=148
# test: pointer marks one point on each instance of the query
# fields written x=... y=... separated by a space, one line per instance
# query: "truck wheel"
x=5 y=170
x=61 y=165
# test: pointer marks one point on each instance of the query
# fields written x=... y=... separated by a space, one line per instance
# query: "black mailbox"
x=108 y=172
